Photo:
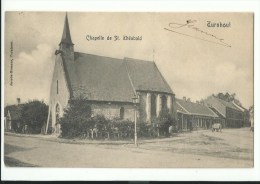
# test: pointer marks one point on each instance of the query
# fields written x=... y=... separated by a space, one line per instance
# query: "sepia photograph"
x=128 y=90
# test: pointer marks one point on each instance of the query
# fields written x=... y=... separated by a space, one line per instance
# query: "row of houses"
x=201 y=115
x=190 y=115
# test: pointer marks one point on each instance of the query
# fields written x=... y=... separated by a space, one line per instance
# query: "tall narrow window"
x=164 y=103
x=57 y=87
x=122 y=112
x=153 y=105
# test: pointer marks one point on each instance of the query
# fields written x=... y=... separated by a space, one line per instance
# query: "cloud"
x=198 y=80
x=193 y=68
x=32 y=75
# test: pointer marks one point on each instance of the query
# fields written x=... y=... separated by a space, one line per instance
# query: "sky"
x=195 y=62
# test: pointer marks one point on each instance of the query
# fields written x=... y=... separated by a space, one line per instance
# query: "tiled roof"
x=213 y=102
x=220 y=105
x=240 y=107
x=181 y=109
x=228 y=104
x=109 y=79
x=195 y=108
x=146 y=76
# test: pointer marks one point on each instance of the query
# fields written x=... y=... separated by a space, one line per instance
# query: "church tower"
x=66 y=47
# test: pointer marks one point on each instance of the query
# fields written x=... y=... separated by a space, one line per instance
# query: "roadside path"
x=156 y=153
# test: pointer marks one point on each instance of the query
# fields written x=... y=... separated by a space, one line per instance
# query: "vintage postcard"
x=128 y=90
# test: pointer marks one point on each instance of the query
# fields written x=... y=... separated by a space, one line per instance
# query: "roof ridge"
x=99 y=56
x=219 y=111
x=193 y=105
x=238 y=106
x=183 y=107
x=230 y=103
x=122 y=59
x=221 y=100
x=212 y=111
x=134 y=59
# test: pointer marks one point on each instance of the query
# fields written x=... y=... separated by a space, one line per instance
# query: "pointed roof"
x=220 y=105
x=110 y=79
x=66 y=38
x=194 y=108
x=145 y=76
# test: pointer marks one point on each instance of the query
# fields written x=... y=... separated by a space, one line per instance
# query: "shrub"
x=76 y=119
x=124 y=127
x=77 y=122
x=162 y=123
x=33 y=115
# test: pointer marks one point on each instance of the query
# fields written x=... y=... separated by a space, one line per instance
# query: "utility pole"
x=135 y=98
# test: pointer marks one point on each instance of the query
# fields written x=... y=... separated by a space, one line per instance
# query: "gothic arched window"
x=122 y=113
x=164 y=103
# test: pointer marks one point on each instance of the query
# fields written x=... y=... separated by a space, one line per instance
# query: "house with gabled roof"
x=194 y=116
x=232 y=115
x=13 y=118
x=109 y=84
x=246 y=115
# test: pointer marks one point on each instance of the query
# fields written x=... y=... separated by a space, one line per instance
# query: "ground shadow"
x=11 y=148
x=12 y=162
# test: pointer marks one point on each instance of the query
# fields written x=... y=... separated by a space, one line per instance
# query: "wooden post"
x=48 y=119
x=92 y=133
x=182 y=122
x=192 y=122
x=135 y=127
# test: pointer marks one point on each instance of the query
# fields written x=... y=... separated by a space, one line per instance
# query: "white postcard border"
x=139 y=174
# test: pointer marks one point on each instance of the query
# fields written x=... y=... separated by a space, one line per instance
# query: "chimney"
x=18 y=100
x=188 y=100
x=184 y=98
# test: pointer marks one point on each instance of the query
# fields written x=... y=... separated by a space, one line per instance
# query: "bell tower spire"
x=66 y=38
x=66 y=45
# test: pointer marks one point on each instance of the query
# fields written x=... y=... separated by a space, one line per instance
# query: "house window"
x=122 y=113
x=57 y=87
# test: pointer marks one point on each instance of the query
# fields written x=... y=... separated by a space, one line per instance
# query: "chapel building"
x=109 y=84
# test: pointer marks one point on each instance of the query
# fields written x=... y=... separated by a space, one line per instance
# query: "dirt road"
x=231 y=148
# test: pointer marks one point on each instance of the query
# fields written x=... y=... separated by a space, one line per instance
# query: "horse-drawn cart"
x=216 y=127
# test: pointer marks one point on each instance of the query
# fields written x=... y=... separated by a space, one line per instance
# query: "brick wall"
x=112 y=110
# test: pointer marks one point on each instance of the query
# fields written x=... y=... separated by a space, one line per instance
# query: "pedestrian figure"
x=170 y=129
